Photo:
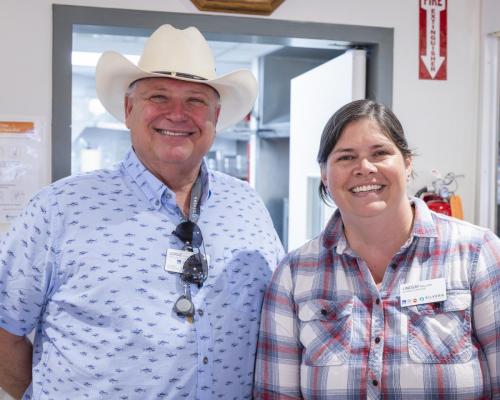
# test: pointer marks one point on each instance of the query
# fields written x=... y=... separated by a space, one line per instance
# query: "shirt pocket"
x=325 y=331
x=440 y=333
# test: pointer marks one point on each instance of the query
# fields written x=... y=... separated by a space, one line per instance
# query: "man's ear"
x=217 y=112
x=128 y=104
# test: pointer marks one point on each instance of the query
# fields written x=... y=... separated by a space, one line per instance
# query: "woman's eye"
x=345 y=157
x=381 y=153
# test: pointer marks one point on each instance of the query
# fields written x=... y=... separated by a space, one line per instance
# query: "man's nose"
x=177 y=110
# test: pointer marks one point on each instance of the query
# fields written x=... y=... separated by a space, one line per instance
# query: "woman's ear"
x=324 y=177
x=409 y=167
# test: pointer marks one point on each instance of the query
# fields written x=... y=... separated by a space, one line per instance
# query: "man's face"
x=172 y=123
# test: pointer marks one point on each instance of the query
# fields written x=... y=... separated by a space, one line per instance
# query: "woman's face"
x=366 y=173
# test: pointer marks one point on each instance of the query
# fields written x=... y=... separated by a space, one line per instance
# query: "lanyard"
x=194 y=203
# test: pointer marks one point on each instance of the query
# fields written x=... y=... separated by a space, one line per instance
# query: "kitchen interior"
x=255 y=150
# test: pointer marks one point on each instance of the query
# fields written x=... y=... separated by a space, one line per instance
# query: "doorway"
x=275 y=40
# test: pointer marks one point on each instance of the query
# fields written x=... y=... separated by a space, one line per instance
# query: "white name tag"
x=175 y=259
x=422 y=292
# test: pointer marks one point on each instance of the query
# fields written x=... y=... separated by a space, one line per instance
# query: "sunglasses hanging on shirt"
x=195 y=268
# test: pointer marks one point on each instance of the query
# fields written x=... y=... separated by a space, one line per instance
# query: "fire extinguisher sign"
x=432 y=40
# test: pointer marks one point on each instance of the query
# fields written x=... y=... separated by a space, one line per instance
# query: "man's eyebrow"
x=198 y=91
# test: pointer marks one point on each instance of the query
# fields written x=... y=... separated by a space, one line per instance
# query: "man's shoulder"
x=98 y=178
x=81 y=185
x=220 y=181
x=223 y=178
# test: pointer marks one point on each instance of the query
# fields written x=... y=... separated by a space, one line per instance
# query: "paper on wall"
x=20 y=158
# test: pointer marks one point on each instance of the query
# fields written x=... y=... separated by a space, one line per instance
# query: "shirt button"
x=200 y=312
x=157 y=202
x=377 y=340
x=324 y=312
x=205 y=360
x=375 y=382
x=377 y=301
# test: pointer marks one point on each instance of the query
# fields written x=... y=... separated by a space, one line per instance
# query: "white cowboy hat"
x=182 y=54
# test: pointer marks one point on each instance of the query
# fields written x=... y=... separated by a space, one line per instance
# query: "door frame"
x=489 y=120
x=379 y=42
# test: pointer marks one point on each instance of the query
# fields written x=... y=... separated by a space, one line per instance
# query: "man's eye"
x=158 y=98
x=197 y=100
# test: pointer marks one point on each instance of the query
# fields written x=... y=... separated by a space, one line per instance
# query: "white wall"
x=440 y=117
x=310 y=109
x=489 y=115
x=491 y=16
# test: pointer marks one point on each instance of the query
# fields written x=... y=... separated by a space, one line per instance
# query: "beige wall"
x=440 y=117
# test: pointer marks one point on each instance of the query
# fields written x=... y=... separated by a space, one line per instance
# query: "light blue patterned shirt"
x=84 y=267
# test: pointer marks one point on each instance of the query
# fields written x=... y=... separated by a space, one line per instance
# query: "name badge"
x=422 y=292
x=175 y=260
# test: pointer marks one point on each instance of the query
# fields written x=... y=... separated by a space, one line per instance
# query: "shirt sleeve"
x=277 y=374
x=26 y=263
x=486 y=306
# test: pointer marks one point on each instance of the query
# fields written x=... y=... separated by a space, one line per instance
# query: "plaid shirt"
x=328 y=332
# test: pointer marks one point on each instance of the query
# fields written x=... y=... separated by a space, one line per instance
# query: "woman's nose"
x=365 y=167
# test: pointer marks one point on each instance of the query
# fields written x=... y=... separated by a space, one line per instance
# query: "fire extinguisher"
x=440 y=197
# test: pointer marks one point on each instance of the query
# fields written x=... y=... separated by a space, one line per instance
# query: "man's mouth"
x=166 y=132
x=366 y=188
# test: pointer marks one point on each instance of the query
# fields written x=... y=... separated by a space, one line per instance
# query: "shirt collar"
x=423 y=226
x=152 y=187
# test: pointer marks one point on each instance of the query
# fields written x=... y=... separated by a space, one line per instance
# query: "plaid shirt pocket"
x=325 y=331
x=440 y=333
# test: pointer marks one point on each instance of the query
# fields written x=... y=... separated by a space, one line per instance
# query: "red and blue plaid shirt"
x=328 y=332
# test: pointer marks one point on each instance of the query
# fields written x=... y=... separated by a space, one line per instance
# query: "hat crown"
x=178 y=51
x=175 y=54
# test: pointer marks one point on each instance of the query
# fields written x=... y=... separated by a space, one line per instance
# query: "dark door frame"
x=378 y=41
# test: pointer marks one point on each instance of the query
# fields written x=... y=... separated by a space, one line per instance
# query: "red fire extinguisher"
x=440 y=198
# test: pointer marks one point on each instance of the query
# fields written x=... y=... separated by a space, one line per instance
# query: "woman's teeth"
x=365 y=188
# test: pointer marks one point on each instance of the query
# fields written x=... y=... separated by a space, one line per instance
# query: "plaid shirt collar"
x=423 y=226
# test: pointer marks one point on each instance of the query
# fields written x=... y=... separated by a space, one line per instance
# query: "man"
x=145 y=281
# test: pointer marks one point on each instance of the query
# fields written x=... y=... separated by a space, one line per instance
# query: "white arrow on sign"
x=432 y=59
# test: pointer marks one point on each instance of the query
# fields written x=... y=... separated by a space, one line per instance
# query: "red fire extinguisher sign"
x=432 y=39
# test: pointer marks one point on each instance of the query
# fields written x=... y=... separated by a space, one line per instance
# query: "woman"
x=391 y=300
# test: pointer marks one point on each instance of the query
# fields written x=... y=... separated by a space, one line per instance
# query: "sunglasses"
x=189 y=233
x=195 y=268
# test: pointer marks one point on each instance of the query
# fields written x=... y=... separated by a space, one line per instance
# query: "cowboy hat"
x=182 y=54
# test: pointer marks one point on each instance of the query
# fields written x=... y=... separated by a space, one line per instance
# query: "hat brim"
x=115 y=73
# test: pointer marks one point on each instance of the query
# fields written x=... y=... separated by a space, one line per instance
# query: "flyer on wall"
x=20 y=163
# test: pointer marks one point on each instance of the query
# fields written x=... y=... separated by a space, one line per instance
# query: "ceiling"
x=229 y=56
